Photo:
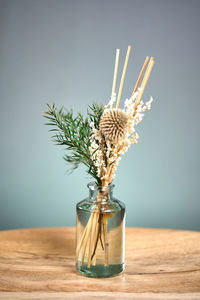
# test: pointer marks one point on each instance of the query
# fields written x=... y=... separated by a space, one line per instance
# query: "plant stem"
x=94 y=224
x=106 y=243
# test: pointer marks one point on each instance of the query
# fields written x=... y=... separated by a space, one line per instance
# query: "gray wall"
x=63 y=52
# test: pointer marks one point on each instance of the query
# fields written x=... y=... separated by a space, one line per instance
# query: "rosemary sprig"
x=74 y=132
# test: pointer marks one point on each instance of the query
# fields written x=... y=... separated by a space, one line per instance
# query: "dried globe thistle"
x=114 y=124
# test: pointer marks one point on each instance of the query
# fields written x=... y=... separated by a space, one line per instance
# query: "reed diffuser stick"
x=86 y=237
x=123 y=76
x=96 y=234
x=140 y=76
x=83 y=237
x=144 y=81
x=94 y=224
x=115 y=73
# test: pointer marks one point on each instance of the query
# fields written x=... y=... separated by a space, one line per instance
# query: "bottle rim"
x=94 y=187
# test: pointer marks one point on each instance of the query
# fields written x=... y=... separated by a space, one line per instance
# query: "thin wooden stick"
x=89 y=243
x=94 y=256
x=92 y=238
x=115 y=73
x=123 y=76
x=83 y=236
x=140 y=76
x=97 y=235
x=144 y=81
x=86 y=239
x=102 y=159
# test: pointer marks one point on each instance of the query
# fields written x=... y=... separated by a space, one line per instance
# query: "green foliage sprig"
x=74 y=132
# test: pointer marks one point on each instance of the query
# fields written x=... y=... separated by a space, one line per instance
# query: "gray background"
x=63 y=52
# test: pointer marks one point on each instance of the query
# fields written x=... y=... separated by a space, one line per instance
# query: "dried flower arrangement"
x=98 y=141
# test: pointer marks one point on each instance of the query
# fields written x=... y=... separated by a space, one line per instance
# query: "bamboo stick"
x=123 y=75
x=115 y=73
x=141 y=74
x=144 y=81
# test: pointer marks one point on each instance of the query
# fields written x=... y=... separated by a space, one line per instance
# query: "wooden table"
x=39 y=264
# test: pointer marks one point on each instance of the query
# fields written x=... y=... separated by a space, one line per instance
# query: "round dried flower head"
x=114 y=124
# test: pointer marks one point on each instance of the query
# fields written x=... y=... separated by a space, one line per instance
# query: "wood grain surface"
x=39 y=264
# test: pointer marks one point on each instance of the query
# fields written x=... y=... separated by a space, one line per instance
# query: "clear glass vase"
x=100 y=233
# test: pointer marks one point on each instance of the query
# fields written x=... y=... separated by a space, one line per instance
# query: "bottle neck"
x=99 y=194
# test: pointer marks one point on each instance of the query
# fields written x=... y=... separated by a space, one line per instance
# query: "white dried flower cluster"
x=135 y=117
x=114 y=148
x=141 y=108
x=129 y=103
x=95 y=151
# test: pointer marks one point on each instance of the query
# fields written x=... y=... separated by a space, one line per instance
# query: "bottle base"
x=100 y=271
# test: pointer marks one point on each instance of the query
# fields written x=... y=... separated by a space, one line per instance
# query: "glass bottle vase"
x=100 y=233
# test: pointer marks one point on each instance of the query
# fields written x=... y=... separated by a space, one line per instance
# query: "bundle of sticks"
x=96 y=230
